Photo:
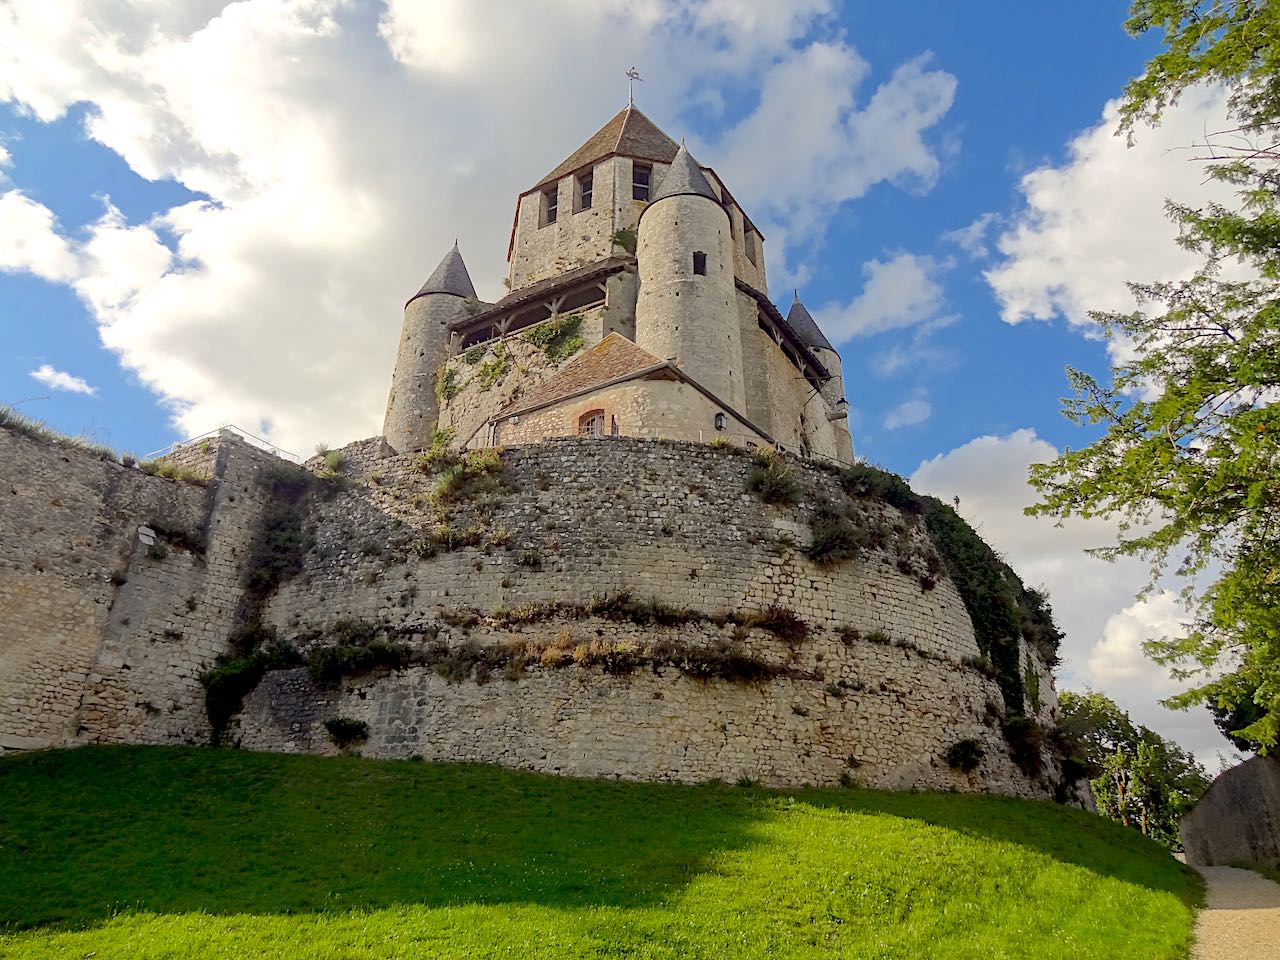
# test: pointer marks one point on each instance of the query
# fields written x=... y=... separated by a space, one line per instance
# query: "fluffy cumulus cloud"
x=337 y=150
x=30 y=241
x=1098 y=220
x=1093 y=601
x=56 y=379
x=899 y=292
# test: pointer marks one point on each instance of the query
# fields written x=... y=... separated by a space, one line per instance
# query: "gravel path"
x=1241 y=920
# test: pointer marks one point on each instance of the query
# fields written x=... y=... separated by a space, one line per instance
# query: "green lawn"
x=144 y=852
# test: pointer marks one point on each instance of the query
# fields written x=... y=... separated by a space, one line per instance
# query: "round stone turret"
x=686 y=308
x=412 y=407
x=806 y=328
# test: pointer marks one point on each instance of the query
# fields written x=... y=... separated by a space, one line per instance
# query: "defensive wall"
x=612 y=607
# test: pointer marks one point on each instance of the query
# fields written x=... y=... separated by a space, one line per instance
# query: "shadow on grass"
x=87 y=833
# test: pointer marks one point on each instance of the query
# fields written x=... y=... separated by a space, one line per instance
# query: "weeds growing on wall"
x=470 y=474
x=835 y=539
x=438 y=454
x=772 y=478
x=346 y=732
x=964 y=755
x=169 y=470
x=447 y=383
x=626 y=239
x=281 y=541
x=559 y=338
x=235 y=675
x=494 y=369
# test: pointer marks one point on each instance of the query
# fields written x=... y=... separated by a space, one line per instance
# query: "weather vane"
x=632 y=76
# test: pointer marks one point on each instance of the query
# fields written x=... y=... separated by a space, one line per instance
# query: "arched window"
x=720 y=421
x=591 y=424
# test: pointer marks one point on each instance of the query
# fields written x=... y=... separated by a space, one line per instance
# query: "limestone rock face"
x=1237 y=821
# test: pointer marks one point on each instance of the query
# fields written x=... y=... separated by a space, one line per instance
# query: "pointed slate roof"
x=684 y=178
x=613 y=358
x=630 y=133
x=450 y=277
x=806 y=328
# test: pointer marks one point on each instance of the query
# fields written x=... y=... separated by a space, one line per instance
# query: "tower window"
x=591 y=424
x=720 y=421
x=641 y=177
x=699 y=263
x=584 y=190
x=550 y=205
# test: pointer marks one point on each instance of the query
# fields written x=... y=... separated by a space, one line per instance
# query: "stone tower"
x=412 y=408
x=686 y=308
x=807 y=329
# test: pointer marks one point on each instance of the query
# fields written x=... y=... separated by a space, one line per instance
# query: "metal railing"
x=252 y=439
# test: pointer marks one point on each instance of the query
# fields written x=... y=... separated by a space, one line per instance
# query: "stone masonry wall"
x=119 y=590
x=877 y=691
x=69 y=541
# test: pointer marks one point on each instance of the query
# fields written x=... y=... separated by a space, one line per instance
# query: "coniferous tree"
x=1190 y=457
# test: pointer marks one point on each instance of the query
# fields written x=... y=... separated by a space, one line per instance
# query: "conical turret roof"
x=450 y=277
x=684 y=178
x=630 y=133
x=805 y=327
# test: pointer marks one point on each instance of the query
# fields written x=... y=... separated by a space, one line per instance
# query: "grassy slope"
x=170 y=852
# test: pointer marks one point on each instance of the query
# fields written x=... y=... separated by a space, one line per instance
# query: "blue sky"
x=214 y=213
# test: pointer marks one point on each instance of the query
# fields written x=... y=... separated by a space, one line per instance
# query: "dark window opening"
x=700 y=263
x=641 y=176
x=613 y=426
x=584 y=190
x=550 y=206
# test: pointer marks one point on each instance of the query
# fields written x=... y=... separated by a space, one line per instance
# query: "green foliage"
x=281 y=541
x=334 y=461
x=448 y=383
x=1139 y=779
x=12 y=420
x=964 y=755
x=352 y=647
x=1025 y=738
x=559 y=338
x=494 y=369
x=772 y=478
x=1189 y=456
x=472 y=355
x=345 y=731
x=834 y=538
x=864 y=480
x=779 y=621
x=468 y=473
x=438 y=454
x=146 y=852
x=169 y=470
x=234 y=676
x=1031 y=683
x=626 y=239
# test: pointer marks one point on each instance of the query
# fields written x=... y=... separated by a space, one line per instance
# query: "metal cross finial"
x=632 y=76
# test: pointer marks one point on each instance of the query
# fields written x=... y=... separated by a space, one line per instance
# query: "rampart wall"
x=484 y=575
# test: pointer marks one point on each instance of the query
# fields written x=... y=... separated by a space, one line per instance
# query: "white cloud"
x=29 y=239
x=342 y=151
x=1093 y=601
x=59 y=380
x=900 y=292
x=973 y=238
x=1098 y=221
x=908 y=414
